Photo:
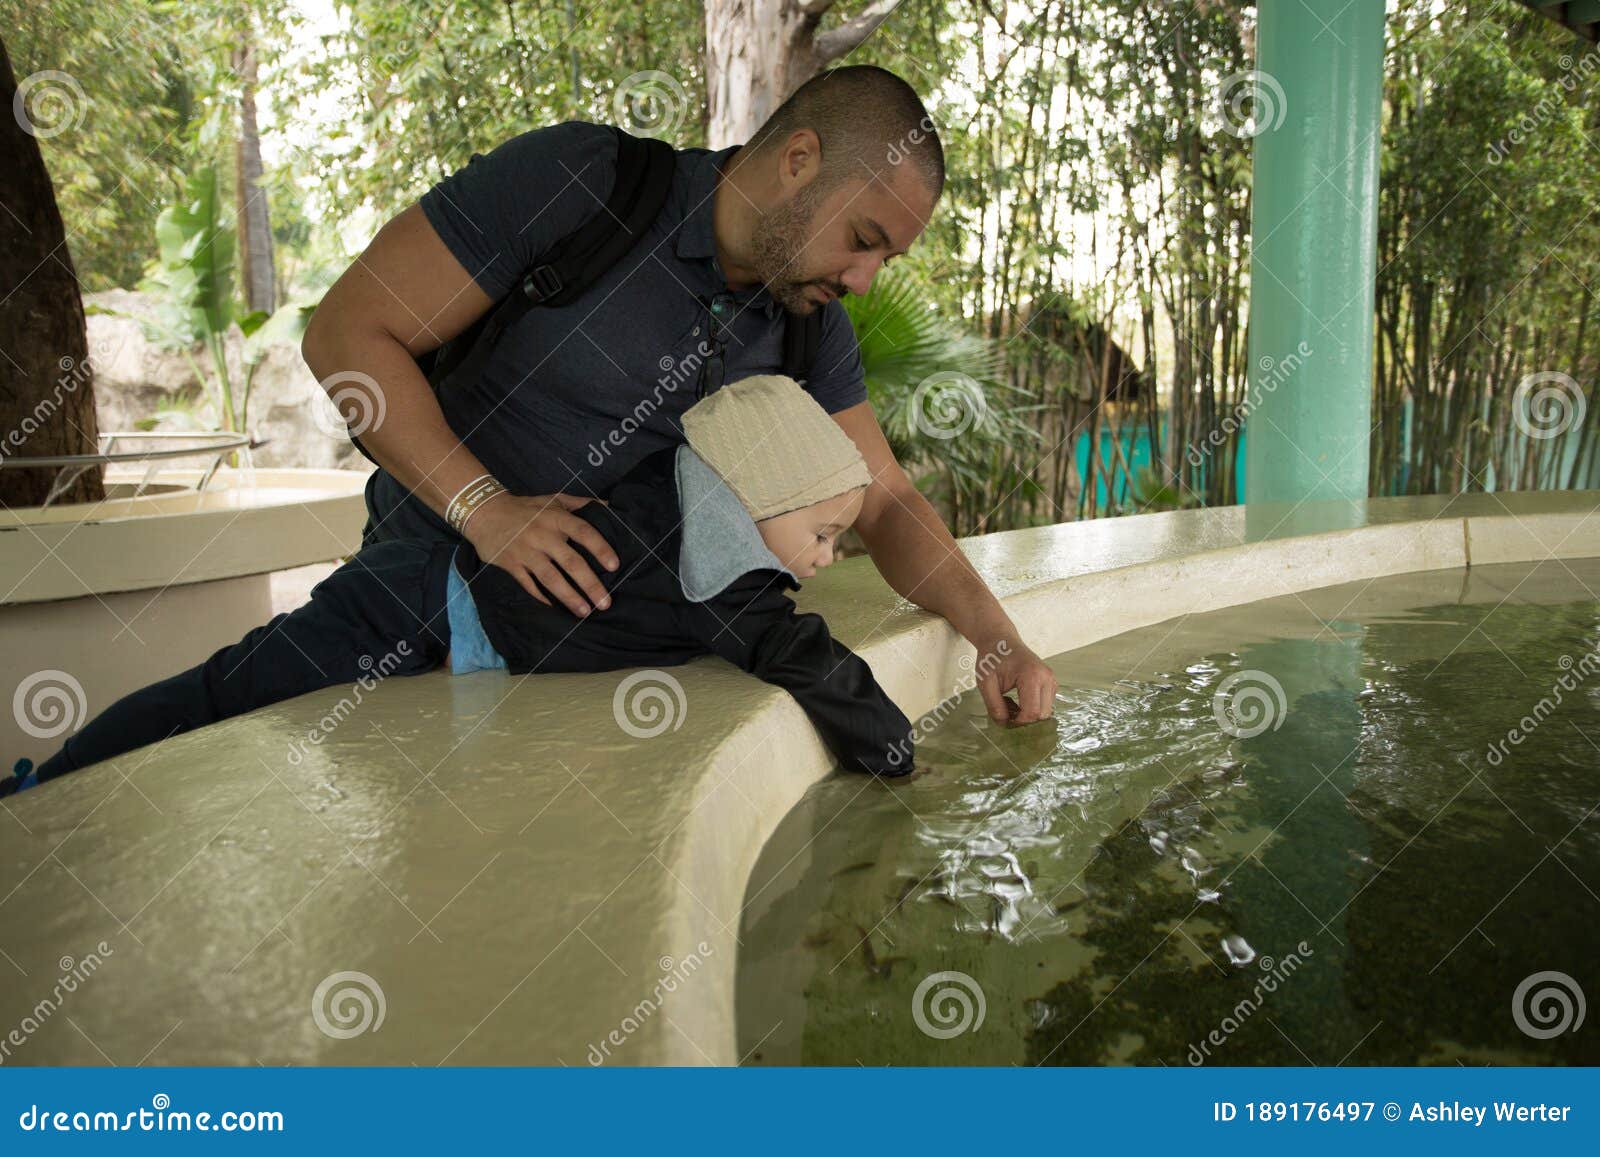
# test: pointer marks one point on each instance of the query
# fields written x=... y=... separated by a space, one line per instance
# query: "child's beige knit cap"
x=774 y=445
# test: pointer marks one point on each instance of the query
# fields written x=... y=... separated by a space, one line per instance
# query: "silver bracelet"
x=467 y=500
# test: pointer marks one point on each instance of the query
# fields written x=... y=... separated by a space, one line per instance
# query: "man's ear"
x=800 y=159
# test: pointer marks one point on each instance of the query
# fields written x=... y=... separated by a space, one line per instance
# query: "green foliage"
x=938 y=395
x=192 y=288
x=121 y=107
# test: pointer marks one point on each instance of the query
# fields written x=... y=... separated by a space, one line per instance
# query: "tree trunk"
x=760 y=51
x=46 y=382
x=255 y=226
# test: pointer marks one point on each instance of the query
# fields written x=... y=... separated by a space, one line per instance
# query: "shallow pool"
x=1356 y=825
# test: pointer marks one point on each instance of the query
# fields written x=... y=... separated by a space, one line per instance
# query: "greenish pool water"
x=1352 y=826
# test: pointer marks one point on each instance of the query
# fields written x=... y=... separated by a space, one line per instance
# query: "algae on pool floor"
x=1340 y=859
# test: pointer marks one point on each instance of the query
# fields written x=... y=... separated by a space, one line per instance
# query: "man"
x=841 y=179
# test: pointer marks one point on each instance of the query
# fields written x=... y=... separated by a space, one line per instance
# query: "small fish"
x=874 y=965
x=861 y=867
x=905 y=890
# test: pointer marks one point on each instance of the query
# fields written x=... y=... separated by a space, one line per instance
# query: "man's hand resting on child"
x=531 y=536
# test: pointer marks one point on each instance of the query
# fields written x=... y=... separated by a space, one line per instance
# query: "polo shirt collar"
x=696 y=236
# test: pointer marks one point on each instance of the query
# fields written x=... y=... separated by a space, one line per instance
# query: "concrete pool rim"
x=603 y=929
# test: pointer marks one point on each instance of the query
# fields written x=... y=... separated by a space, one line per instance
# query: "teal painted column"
x=1314 y=221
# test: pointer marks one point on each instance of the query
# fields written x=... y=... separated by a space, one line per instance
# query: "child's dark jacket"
x=694 y=578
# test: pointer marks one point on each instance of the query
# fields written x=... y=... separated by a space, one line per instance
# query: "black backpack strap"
x=643 y=179
x=802 y=336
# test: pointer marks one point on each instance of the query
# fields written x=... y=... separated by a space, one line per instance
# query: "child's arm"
x=755 y=626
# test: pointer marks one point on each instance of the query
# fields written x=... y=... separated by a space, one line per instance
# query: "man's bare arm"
x=407 y=294
x=917 y=556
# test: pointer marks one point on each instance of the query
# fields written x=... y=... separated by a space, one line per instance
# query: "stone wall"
x=133 y=377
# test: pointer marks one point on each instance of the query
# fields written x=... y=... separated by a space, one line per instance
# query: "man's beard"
x=779 y=237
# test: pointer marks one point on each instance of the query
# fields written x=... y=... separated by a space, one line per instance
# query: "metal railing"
x=217 y=445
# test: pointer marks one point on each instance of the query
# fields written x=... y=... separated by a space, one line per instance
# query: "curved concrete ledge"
x=522 y=879
x=243 y=523
x=97 y=600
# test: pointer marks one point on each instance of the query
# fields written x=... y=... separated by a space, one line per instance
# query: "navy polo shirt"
x=574 y=395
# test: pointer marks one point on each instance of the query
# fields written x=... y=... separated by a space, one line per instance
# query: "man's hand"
x=531 y=537
x=1015 y=667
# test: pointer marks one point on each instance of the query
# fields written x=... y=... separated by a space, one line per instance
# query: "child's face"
x=803 y=539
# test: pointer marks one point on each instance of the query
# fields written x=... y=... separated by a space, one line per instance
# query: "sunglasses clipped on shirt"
x=713 y=369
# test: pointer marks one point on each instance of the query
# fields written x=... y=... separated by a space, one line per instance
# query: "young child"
x=708 y=536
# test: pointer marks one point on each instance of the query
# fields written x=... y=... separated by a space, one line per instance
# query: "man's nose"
x=858 y=278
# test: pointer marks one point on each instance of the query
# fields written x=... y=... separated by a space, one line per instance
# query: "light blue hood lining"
x=720 y=539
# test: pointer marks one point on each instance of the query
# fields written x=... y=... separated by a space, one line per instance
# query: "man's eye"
x=861 y=242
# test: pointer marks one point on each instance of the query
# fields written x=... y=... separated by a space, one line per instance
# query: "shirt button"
x=696 y=332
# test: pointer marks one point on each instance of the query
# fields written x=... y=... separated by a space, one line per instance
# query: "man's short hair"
x=867 y=120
